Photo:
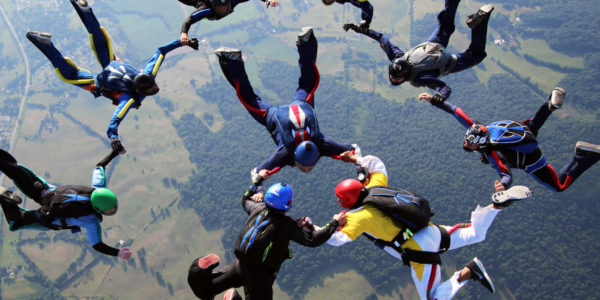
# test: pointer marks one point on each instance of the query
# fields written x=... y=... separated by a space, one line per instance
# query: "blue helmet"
x=478 y=134
x=307 y=154
x=279 y=196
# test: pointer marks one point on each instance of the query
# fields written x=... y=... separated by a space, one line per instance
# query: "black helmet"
x=221 y=7
x=399 y=69
x=144 y=84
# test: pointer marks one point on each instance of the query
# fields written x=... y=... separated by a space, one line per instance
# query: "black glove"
x=437 y=99
x=363 y=27
x=193 y=43
x=117 y=146
x=348 y=26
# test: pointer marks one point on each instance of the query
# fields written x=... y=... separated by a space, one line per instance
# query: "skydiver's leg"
x=230 y=276
x=232 y=66
x=331 y=147
x=28 y=182
x=19 y=218
x=466 y=234
x=476 y=51
x=442 y=33
x=579 y=163
x=200 y=276
x=553 y=102
x=309 y=74
x=258 y=283
x=67 y=70
x=99 y=39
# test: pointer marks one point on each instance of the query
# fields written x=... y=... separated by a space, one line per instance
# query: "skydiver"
x=261 y=247
x=366 y=11
x=294 y=128
x=61 y=207
x=425 y=63
x=418 y=249
x=211 y=10
x=122 y=83
x=510 y=144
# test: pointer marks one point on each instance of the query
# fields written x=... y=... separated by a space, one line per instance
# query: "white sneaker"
x=506 y=198
x=305 y=34
x=229 y=53
x=556 y=98
x=587 y=147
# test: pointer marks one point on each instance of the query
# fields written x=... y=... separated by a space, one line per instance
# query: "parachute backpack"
x=256 y=244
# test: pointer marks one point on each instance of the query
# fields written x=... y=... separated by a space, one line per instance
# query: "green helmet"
x=103 y=199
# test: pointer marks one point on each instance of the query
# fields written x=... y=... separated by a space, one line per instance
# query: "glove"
x=117 y=146
x=350 y=26
x=193 y=43
x=363 y=27
x=437 y=99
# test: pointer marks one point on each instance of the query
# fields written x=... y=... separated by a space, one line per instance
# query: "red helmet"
x=348 y=192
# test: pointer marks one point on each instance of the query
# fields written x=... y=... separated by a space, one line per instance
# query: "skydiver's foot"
x=305 y=34
x=39 y=37
x=476 y=18
x=478 y=273
x=200 y=274
x=556 y=98
x=208 y=262
x=585 y=147
x=232 y=294
x=80 y=3
x=9 y=197
x=229 y=53
x=193 y=43
x=506 y=198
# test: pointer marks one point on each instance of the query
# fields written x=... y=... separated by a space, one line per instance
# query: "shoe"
x=305 y=34
x=9 y=197
x=506 y=198
x=229 y=53
x=42 y=37
x=556 y=98
x=478 y=273
x=208 y=262
x=81 y=3
x=232 y=294
x=193 y=43
x=582 y=146
x=476 y=18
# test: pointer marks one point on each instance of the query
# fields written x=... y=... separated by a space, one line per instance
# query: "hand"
x=363 y=27
x=499 y=186
x=424 y=96
x=437 y=98
x=340 y=218
x=272 y=3
x=124 y=253
x=350 y=26
x=304 y=221
x=264 y=173
x=184 y=38
x=117 y=146
x=258 y=197
x=348 y=156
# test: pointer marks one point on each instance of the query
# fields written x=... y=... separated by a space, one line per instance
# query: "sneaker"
x=556 y=98
x=582 y=146
x=81 y=3
x=232 y=294
x=208 y=262
x=193 y=43
x=305 y=34
x=478 y=273
x=476 y=18
x=229 y=53
x=42 y=37
x=9 y=197
x=506 y=198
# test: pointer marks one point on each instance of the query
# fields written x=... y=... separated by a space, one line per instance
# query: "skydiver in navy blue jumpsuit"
x=510 y=144
x=211 y=10
x=425 y=63
x=366 y=11
x=125 y=85
x=292 y=126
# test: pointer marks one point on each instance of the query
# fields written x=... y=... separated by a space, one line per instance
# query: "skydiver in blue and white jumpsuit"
x=294 y=128
x=510 y=144
x=124 y=84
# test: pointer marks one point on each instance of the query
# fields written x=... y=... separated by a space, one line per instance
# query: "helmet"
x=348 y=191
x=144 y=84
x=221 y=7
x=307 y=154
x=279 y=196
x=398 y=69
x=103 y=199
x=478 y=134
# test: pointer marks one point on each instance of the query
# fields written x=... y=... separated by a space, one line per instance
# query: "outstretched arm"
x=196 y=16
x=126 y=102
x=315 y=238
x=366 y=10
x=158 y=57
x=450 y=108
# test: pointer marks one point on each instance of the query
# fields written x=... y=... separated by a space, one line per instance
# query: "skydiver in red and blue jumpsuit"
x=510 y=144
x=125 y=85
x=294 y=128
